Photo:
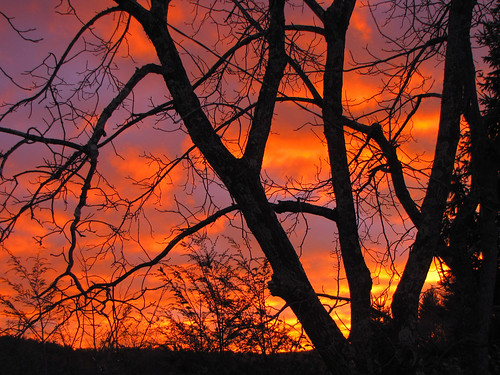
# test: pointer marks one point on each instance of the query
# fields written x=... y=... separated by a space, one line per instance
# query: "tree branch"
x=264 y=111
x=316 y=8
x=58 y=66
x=298 y=206
x=375 y=132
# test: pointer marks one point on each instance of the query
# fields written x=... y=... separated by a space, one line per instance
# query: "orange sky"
x=295 y=151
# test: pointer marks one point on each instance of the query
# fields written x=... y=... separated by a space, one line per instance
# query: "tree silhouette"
x=472 y=233
x=28 y=299
x=221 y=303
x=221 y=76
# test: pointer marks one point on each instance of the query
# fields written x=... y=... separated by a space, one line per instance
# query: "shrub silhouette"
x=221 y=302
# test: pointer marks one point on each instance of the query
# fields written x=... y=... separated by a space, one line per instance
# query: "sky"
x=295 y=153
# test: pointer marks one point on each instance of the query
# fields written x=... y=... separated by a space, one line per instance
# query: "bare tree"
x=27 y=295
x=225 y=72
x=220 y=302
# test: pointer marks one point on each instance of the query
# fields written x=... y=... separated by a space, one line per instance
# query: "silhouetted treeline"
x=20 y=356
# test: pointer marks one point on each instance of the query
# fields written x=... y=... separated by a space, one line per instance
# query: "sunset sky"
x=295 y=153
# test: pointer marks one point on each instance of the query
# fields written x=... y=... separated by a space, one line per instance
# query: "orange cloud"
x=361 y=24
x=291 y=152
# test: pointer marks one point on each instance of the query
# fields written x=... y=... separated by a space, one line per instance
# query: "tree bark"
x=484 y=191
x=336 y=21
x=428 y=239
x=488 y=234
x=289 y=280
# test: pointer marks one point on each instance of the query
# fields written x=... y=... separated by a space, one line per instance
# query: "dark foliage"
x=491 y=84
x=19 y=356
x=220 y=302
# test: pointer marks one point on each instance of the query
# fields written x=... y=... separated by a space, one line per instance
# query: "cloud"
x=361 y=24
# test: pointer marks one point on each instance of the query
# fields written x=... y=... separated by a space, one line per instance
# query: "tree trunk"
x=484 y=191
x=289 y=280
x=488 y=232
x=336 y=21
x=428 y=240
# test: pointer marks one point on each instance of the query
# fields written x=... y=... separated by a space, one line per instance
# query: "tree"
x=473 y=233
x=226 y=75
x=27 y=294
x=220 y=303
